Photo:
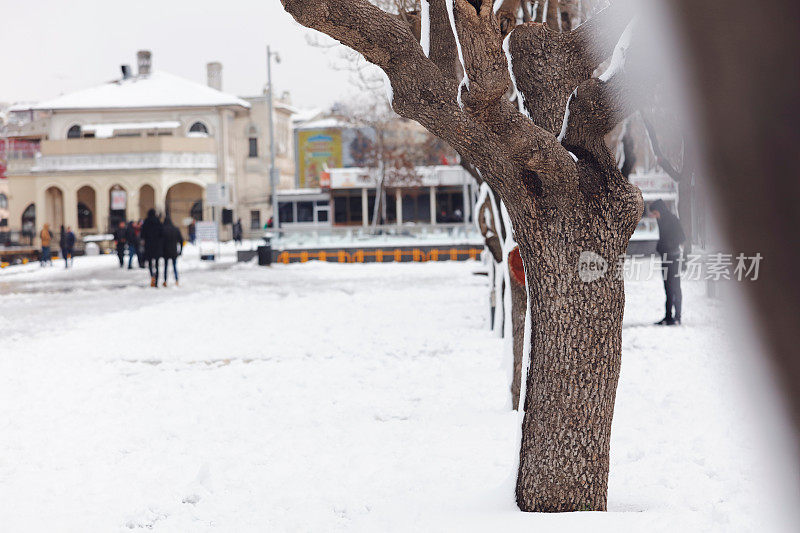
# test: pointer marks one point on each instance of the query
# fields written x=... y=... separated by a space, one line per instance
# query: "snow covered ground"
x=325 y=397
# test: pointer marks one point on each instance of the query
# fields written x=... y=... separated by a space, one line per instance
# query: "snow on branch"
x=465 y=79
x=425 y=27
x=565 y=122
x=620 y=52
x=517 y=92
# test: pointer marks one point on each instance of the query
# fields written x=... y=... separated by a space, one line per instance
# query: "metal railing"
x=388 y=234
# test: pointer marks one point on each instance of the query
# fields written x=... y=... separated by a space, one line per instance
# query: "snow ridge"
x=465 y=79
x=425 y=27
x=566 y=116
x=519 y=95
x=620 y=52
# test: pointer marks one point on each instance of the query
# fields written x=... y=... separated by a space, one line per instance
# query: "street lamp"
x=273 y=178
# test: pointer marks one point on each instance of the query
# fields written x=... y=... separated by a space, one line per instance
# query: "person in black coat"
x=670 y=238
x=153 y=237
x=119 y=241
x=67 y=246
x=173 y=247
x=133 y=243
x=237 y=231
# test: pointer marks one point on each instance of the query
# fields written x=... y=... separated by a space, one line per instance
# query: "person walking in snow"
x=192 y=232
x=153 y=235
x=173 y=247
x=670 y=238
x=119 y=242
x=67 y=245
x=133 y=243
x=237 y=231
x=46 y=236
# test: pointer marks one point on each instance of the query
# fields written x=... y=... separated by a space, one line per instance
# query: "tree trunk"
x=576 y=343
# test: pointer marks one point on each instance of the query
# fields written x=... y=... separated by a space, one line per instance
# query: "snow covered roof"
x=158 y=89
x=306 y=115
x=322 y=124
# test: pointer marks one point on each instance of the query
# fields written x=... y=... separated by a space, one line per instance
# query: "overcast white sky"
x=50 y=47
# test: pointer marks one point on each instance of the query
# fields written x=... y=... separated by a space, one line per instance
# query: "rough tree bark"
x=564 y=198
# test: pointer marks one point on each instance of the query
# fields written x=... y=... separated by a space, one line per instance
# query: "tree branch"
x=663 y=161
x=596 y=38
x=443 y=44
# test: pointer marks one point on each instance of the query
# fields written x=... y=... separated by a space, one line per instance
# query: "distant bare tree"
x=386 y=146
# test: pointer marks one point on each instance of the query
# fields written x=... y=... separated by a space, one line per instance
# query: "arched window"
x=3 y=201
x=85 y=216
x=198 y=128
x=74 y=132
x=29 y=222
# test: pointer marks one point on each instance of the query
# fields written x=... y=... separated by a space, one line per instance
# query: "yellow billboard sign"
x=317 y=151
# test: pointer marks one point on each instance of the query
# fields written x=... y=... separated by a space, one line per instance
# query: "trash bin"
x=265 y=255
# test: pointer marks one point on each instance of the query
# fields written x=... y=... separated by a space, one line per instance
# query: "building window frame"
x=255 y=219
x=198 y=128
x=74 y=132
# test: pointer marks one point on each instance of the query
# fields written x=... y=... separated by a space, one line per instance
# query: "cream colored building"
x=147 y=140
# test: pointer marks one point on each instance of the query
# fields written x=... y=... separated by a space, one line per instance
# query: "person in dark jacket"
x=237 y=231
x=62 y=242
x=67 y=246
x=119 y=242
x=173 y=247
x=133 y=243
x=192 y=232
x=670 y=238
x=153 y=237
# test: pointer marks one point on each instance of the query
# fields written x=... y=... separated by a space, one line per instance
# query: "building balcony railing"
x=126 y=153
x=135 y=161
x=129 y=145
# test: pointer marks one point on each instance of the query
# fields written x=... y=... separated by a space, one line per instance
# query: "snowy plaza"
x=325 y=397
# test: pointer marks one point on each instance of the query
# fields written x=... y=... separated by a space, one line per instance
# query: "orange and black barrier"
x=381 y=255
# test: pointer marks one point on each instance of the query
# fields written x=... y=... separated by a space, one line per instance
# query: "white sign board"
x=206 y=231
x=207 y=238
x=217 y=194
x=118 y=200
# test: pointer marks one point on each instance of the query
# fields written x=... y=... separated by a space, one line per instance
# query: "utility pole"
x=273 y=176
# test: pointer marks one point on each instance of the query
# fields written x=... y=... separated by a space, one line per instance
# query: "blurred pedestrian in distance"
x=119 y=242
x=192 y=232
x=173 y=247
x=139 y=243
x=46 y=236
x=62 y=235
x=67 y=245
x=153 y=237
x=133 y=243
x=670 y=238
x=237 y=231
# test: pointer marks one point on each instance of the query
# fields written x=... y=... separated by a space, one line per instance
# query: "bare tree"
x=566 y=199
x=390 y=148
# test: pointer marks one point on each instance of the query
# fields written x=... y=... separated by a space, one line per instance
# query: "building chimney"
x=214 y=75
x=144 y=59
x=126 y=71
